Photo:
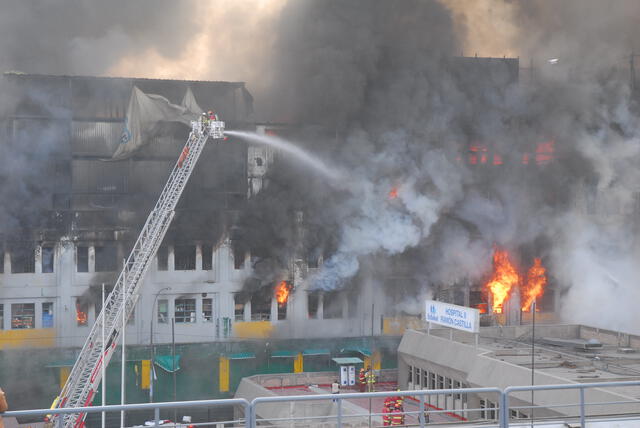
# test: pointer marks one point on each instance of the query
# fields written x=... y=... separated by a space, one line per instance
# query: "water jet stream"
x=290 y=148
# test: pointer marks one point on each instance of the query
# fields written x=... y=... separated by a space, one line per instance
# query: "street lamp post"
x=153 y=349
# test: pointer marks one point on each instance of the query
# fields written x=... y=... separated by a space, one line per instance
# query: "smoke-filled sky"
x=380 y=75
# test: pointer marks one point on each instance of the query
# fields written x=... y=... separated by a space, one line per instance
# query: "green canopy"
x=167 y=363
x=347 y=360
x=241 y=356
x=284 y=354
x=313 y=352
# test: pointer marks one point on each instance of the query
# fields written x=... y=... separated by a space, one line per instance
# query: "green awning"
x=284 y=354
x=241 y=356
x=167 y=363
x=359 y=349
x=313 y=352
x=341 y=361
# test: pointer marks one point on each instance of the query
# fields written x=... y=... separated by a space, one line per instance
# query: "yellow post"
x=64 y=375
x=224 y=374
x=367 y=362
x=377 y=360
x=298 y=364
x=145 y=374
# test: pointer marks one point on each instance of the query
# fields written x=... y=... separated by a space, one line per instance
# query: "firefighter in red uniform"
x=362 y=379
x=397 y=415
x=183 y=156
x=386 y=413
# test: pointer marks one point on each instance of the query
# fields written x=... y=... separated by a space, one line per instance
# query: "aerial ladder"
x=84 y=379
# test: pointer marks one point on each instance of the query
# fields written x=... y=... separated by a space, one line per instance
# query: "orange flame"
x=81 y=317
x=393 y=193
x=536 y=280
x=282 y=292
x=504 y=278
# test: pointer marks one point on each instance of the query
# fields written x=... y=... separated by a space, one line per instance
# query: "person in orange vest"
x=362 y=379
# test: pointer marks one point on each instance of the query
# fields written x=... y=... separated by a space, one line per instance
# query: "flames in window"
x=282 y=291
x=81 y=313
x=506 y=277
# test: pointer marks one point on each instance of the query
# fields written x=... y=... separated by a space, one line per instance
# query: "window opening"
x=106 y=258
x=207 y=310
x=48 y=259
x=82 y=259
x=82 y=310
x=207 y=257
x=47 y=315
x=163 y=258
x=185 y=257
x=185 y=310
x=23 y=315
x=163 y=311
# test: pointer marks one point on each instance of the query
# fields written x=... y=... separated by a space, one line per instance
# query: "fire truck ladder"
x=86 y=374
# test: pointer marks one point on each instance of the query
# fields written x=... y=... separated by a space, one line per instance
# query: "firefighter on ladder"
x=362 y=379
x=183 y=156
x=205 y=122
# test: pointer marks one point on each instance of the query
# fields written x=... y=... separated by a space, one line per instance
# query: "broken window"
x=313 y=303
x=163 y=258
x=82 y=259
x=23 y=315
x=23 y=259
x=238 y=256
x=47 y=259
x=332 y=305
x=163 y=311
x=207 y=310
x=238 y=308
x=478 y=299
x=1 y=261
x=261 y=305
x=47 y=315
x=259 y=161
x=82 y=313
x=185 y=257
x=106 y=258
x=185 y=310
x=1 y=316
x=207 y=257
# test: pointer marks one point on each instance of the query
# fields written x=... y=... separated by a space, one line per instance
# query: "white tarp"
x=144 y=113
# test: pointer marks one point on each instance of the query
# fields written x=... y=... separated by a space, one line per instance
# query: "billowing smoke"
x=385 y=80
x=399 y=112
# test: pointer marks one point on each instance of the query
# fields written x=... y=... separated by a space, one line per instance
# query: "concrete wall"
x=476 y=367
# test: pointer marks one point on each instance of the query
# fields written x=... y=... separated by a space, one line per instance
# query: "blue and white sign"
x=454 y=316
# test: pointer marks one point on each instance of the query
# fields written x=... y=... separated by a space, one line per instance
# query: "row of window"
x=23 y=315
x=184 y=310
x=424 y=379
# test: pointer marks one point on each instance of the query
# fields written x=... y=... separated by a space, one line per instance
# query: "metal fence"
x=336 y=410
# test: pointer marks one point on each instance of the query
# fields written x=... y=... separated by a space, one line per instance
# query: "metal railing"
x=156 y=407
x=340 y=417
